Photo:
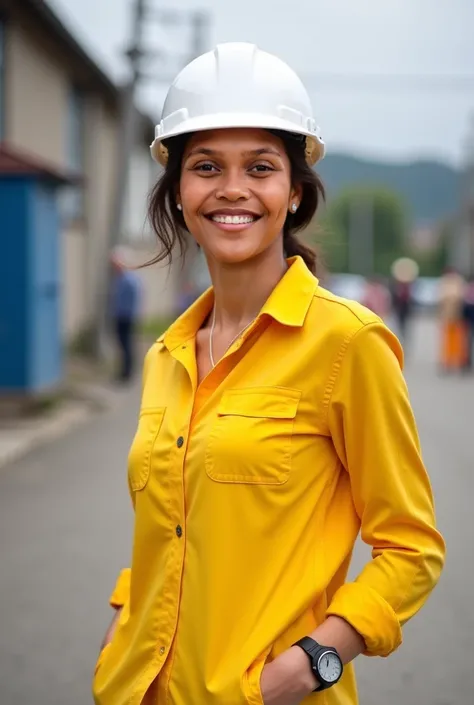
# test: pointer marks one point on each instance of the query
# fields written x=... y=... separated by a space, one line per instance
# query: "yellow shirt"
x=249 y=493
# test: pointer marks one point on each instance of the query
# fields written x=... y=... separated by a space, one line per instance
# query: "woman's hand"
x=288 y=679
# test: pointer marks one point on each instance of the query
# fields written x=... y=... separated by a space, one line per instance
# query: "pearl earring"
x=179 y=206
x=294 y=208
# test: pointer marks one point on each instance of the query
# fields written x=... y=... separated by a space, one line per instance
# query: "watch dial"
x=329 y=666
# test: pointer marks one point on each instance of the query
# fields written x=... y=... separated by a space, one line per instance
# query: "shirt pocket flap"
x=260 y=402
x=139 y=459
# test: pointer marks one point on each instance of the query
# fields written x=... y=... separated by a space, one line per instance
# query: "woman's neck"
x=240 y=290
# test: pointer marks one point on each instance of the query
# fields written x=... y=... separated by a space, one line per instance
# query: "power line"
x=378 y=82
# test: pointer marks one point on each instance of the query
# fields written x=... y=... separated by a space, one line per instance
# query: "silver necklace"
x=211 y=336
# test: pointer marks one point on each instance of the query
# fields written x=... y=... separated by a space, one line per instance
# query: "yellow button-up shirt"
x=249 y=492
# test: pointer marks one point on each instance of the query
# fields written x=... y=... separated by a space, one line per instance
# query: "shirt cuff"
x=370 y=615
x=121 y=590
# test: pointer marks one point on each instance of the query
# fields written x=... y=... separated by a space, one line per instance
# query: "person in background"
x=454 y=351
x=469 y=321
x=376 y=297
x=124 y=312
x=404 y=274
x=402 y=306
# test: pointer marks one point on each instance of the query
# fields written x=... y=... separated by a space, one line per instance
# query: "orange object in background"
x=454 y=345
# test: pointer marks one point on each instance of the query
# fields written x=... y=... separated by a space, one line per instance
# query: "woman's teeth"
x=233 y=219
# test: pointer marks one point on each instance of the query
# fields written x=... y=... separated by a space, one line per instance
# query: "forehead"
x=235 y=141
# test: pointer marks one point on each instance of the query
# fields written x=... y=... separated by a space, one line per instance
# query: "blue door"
x=14 y=292
x=45 y=344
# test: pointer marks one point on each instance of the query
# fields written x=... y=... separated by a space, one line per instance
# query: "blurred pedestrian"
x=275 y=424
x=376 y=297
x=454 y=342
x=124 y=312
x=404 y=273
x=469 y=321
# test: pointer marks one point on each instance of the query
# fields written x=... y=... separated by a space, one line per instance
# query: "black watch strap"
x=309 y=646
x=313 y=651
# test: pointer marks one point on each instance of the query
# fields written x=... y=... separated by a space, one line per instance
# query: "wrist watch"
x=325 y=662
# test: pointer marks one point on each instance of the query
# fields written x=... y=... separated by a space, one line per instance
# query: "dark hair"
x=168 y=222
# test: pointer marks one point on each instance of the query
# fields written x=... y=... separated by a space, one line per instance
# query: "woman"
x=274 y=424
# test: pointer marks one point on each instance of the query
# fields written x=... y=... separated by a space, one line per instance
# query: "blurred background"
x=82 y=83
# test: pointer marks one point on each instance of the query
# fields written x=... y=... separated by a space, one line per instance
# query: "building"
x=57 y=105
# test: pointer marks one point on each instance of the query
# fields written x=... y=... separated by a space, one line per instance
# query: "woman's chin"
x=233 y=254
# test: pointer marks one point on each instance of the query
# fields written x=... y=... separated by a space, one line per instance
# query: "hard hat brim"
x=315 y=147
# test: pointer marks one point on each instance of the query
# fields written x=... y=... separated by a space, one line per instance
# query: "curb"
x=48 y=431
x=71 y=415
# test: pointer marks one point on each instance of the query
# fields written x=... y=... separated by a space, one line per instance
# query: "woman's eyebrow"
x=205 y=151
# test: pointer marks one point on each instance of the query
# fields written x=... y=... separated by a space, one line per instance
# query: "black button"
x=179 y=531
x=180 y=442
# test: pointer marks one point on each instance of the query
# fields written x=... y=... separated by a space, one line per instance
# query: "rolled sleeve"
x=121 y=591
x=374 y=433
x=363 y=608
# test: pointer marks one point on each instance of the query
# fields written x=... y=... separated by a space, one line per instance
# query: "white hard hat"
x=237 y=85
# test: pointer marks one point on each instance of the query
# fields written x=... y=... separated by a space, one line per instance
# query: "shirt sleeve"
x=375 y=436
x=121 y=591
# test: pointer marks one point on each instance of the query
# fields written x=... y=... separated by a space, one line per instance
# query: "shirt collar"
x=291 y=298
x=288 y=304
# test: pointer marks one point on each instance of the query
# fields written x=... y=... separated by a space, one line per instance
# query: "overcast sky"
x=384 y=118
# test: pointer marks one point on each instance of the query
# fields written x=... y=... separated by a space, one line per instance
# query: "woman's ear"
x=296 y=195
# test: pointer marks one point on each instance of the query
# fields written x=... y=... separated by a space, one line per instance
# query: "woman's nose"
x=232 y=187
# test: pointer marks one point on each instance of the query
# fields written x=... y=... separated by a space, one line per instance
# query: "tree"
x=364 y=230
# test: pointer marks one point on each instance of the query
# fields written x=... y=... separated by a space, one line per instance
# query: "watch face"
x=330 y=667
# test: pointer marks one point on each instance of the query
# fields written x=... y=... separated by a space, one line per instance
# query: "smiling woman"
x=274 y=426
x=273 y=164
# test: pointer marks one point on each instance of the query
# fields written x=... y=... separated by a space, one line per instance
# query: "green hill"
x=430 y=189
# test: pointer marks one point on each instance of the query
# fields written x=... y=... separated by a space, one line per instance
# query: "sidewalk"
x=86 y=392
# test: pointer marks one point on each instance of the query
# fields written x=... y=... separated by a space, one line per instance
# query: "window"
x=75 y=130
x=2 y=78
x=72 y=200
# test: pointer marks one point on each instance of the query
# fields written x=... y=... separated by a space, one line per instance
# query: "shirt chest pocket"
x=250 y=441
x=141 y=451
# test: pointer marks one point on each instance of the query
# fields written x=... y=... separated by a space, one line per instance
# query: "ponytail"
x=294 y=247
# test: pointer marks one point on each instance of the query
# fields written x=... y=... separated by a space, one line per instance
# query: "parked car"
x=426 y=292
x=349 y=286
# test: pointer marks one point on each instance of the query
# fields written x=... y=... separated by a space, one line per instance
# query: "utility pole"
x=199 y=28
x=469 y=197
x=121 y=173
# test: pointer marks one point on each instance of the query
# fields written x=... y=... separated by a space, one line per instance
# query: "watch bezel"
x=317 y=668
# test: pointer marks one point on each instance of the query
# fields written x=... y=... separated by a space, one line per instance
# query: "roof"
x=14 y=162
x=44 y=17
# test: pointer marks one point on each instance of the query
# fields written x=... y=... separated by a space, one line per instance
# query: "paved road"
x=65 y=529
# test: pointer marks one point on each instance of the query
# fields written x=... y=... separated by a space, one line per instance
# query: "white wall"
x=36 y=97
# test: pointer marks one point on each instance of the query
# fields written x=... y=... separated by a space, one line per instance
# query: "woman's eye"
x=261 y=168
x=205 y=167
